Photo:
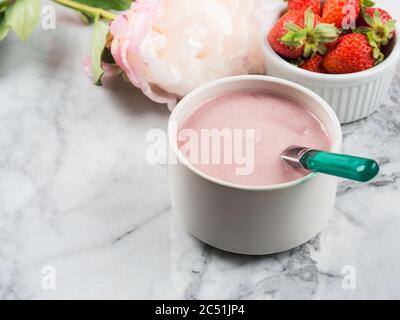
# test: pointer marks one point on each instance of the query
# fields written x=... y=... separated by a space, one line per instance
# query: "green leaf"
x=377 y=17
x=294 y=39
x=290 y=26
x=309 y=18
x=367 y=3
x=3 y=28
x=378 y=55
x=391 y=25
x=97 y=47
x=326 y=32
x=368 y=19
x=3 y=5
x=362 y=30
x=23 y=17
x=322 y=49
x=119 y=5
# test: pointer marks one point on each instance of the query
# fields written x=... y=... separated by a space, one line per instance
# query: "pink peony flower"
x=167 y=48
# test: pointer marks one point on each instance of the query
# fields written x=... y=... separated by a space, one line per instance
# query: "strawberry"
x=303 y=5
x=353 y=53
x=299 y=33
x=383 y=14
x=343 y=13
x=279 y=30
x=378 y=25
x=314 y=64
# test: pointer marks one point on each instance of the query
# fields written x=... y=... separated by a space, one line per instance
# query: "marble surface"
x=76 y=194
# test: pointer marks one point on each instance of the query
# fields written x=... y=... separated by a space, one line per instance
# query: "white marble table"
x=76 y=194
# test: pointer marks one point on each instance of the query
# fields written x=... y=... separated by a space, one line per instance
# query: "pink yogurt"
x=276 y=122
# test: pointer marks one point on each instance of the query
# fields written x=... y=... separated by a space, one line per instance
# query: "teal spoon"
x=334 y=164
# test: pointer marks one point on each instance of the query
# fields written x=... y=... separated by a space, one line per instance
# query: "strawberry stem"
x=313 y=37
x=378 y=32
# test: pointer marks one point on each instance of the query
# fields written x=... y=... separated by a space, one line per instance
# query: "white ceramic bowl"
x=244 y=219
x=352 y=96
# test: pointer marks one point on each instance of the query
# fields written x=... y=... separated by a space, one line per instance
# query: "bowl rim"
x=326 y=77
x=335 y=147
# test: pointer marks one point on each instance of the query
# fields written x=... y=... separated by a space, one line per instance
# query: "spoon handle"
x=340 y=165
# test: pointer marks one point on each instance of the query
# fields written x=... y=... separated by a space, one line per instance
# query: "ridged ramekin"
x=352 y=96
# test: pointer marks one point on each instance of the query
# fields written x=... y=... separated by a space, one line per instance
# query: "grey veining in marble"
x=76 y=193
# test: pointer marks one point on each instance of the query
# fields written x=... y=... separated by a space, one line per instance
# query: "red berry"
x=314 y=64
x=353 y=53
x=303 y=5
x=378 y=25
x=384 y=15
x=274 y=37
x=341 y=13
x=299 y=33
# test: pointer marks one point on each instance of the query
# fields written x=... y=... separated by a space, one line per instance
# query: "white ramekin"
x=352 y=96
x=244 y=219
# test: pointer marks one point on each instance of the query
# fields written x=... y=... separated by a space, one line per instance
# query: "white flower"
x=167 y=48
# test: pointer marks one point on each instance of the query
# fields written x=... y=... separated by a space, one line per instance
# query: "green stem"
x=89 y=10
x=4 y=4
